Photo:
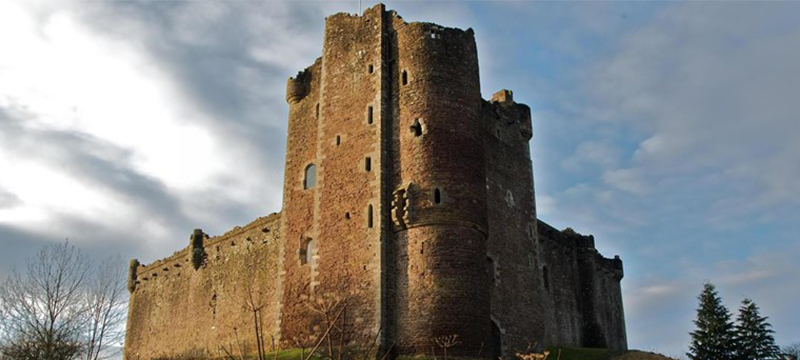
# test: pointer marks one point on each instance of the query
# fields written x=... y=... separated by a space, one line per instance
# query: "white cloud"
x=711 y=84
x=593 y=153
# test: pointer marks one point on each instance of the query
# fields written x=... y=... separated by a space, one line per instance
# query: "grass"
x=602 y=354
x=581 y=354
x=566 y=354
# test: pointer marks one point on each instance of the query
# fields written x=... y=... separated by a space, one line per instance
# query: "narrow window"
x=369 y=216
x=490 y=269
x=317 y=110
x=368 y=164
x=347 y=215
x=307 y=251
x=546 y=278
x=437 y=196
x=369 y=115
x=405 y=77
x=310 y=178
x=338 y=140
x=370 y=69
x=416 y=128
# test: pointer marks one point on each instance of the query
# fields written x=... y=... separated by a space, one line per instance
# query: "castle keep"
x=405 y=193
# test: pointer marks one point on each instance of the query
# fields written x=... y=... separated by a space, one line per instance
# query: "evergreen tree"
x=754 y=335
x=714 y=337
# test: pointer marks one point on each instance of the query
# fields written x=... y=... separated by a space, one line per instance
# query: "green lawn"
x=566 y=354
x=581 y=354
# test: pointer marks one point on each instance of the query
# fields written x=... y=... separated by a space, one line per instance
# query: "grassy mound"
x=602 y=354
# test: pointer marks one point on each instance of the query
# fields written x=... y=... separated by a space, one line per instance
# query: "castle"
x=405 y=193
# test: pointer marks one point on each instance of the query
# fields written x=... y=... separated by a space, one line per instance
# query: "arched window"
x=546 y=278
x=437 y=196
x=310 y=178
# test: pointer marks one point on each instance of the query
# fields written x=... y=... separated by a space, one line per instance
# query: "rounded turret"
x=443 y=158
x=296 y=88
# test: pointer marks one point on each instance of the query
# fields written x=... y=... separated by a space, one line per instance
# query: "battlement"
x=173 y=264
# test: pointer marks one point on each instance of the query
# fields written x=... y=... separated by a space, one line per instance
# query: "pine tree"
x=714 y=337
x=754 y=335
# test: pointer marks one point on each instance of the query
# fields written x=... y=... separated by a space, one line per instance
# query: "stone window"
x=317 y=111
x=347 y=215
x=310 y=178
x=370 y=68
x=546 y=278
x=338 y=140
x=369 y=114
x=307 y=251
x=368 y=164
x=490 y=269
x=437 y=196
x=405 y=77
x=417 y=128
x=370 y=222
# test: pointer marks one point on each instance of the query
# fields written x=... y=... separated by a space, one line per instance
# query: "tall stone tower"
x=408 y=195
x=387 y=123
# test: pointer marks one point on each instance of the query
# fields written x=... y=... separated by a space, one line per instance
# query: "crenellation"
x=408 y=193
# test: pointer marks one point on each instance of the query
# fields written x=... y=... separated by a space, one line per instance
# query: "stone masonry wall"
x=583 y=298
x=176 y=310
x=337 y=127
x=438 y=181
x=511 y=255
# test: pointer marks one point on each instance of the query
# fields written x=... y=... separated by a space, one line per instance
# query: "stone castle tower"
x=406 y=193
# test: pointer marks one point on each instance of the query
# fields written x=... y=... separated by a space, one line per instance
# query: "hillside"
x=603 y=354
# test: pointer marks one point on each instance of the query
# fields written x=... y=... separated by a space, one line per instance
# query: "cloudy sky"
x=669 y=130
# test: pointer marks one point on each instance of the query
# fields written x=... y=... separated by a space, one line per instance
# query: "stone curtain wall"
x=584 y=300
x=176 y=310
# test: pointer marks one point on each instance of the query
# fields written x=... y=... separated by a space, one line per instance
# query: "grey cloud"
x=96 y=241
x=91 y=160
x=8 y=200
x=712 y=86
x=215 y=53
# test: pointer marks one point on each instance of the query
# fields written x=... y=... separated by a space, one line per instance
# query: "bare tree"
x=45 y=310
x=105 y=300
x=792 y=351
x=59 y=309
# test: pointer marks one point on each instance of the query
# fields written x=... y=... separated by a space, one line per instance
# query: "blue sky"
x=666 y=129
